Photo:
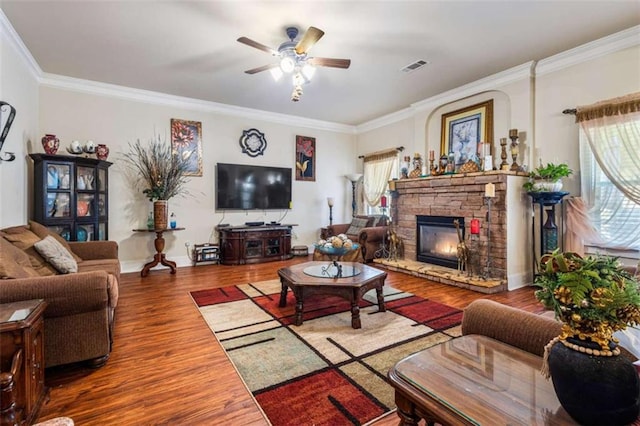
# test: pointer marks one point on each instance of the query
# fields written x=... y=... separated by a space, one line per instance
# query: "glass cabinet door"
x=102 y=180
x=85 y=179
x=84 y=205
x=58 y=176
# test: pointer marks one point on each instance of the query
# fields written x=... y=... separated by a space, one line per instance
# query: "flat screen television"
x=244 y=187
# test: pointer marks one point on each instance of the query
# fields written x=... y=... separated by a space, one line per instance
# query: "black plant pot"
x=595 y=390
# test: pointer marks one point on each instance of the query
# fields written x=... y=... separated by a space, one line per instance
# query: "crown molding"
x=385 y=120
x=606 y=45
x=586 y=52
x=15 y=41
x=156 y=98
x=491 y=82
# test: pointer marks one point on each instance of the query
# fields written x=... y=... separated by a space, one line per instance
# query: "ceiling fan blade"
x=310 y=38
x=330 y=62
x=257 y=45
x=260 y=69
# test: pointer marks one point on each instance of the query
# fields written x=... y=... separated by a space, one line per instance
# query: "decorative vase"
x=102 y=152
x=50 y=144
x=594 y=390
x=549 y=233
x=160 y=214
x=547 y=185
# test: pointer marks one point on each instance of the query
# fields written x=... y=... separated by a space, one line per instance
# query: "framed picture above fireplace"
x=464 y=129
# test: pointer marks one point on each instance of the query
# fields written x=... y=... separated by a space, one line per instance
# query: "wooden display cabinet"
x=22 y=387
x=254 y=244
x=71 y=196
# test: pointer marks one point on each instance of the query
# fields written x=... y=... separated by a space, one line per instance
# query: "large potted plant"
x=593 y=297
x=161 y=175
x=547 y=178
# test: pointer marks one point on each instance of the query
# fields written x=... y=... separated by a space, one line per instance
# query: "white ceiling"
x=189 y=48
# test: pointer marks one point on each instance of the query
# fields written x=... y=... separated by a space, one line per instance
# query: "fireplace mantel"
x=463 y=195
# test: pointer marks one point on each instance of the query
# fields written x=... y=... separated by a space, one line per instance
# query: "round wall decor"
x=253 y=142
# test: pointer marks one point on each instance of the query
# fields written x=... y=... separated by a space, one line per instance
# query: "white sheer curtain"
x=610 y=170
x=377 y=172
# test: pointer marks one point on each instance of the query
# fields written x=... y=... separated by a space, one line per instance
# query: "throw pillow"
x=357 y=223
x=14 y=263
x=22 y=238
x=57 y=255
x=42 y=232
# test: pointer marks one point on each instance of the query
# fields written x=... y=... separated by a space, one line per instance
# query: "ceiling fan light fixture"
x=287 y=64
x=298 y=79
x=308 y=71
x=297 y=92
x=276 y=73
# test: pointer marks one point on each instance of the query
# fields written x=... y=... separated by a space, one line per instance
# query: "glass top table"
x=18 y=311
x=475 y=380
x=332 y=270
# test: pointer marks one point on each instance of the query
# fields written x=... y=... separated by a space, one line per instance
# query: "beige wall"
x=18 y=87
x=603 y=78
x=116 y=122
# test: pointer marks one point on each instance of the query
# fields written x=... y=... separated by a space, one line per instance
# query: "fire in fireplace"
x=437 y=240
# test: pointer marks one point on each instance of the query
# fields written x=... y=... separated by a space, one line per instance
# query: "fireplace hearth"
x=437 y=240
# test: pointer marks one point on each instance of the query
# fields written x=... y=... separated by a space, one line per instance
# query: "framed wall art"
x=464 y=129
x=253 y=142
x=186 y=141
x=305 y=158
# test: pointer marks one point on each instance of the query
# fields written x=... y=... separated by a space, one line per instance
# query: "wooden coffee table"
x=475 y=380
x=306 y=279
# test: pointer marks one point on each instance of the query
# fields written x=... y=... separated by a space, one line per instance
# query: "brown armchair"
x=368 y=231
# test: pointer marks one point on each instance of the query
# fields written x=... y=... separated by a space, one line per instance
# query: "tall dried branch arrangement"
x=162 y=172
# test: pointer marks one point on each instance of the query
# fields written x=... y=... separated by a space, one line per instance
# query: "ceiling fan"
x=294 y=59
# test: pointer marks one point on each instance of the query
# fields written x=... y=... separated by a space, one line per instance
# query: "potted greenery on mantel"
x=161 y=173
x=547 y=178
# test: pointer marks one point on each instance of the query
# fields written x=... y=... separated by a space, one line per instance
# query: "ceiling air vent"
x=414 y=66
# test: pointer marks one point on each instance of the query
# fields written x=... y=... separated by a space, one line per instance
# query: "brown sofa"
x=516 y=327
x=81 y=306
x=369 y=235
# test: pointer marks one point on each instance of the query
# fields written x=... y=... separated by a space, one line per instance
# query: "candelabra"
x=503 y=154
x=330 y=203
x=513 y=135
x=489 y=193
x=354 y=178
x=383 y=251
x=485 y=273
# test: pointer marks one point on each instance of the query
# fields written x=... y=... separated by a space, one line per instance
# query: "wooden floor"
x=167 y=367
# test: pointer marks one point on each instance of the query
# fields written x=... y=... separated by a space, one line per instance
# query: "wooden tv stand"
x=244 y=244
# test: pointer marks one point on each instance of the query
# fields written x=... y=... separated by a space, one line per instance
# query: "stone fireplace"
x=502 y=256
x=437 y=239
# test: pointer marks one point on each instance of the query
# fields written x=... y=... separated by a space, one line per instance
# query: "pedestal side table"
x=159 y=257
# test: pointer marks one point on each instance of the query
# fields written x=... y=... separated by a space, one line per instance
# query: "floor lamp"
x=354 y=178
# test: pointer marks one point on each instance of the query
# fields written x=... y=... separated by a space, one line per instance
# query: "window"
x=378 y=209
x=614 y=215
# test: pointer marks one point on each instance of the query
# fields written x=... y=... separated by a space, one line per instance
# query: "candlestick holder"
x=383 y=252
x=485 y=272
x=431 y=160
x=514 y=152
x=503 y=154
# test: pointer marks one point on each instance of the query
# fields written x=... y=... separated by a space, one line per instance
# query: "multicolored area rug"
x=323 y=372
